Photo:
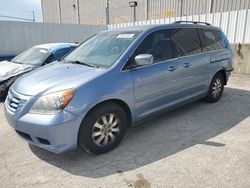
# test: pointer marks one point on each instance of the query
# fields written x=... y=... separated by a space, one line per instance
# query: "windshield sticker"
x=43 y=51
x=125 y=36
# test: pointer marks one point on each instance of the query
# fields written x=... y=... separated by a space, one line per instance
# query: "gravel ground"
x=199 y=145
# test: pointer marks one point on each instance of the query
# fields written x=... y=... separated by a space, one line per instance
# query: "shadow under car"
x=159 y=137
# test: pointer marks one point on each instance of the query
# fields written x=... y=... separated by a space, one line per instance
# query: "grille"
x=13 y=102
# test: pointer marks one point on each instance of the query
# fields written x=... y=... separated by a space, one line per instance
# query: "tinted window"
x=158 y=44
x=49 y=59
x=60 y=53
x=186 y=41
x=211 y=39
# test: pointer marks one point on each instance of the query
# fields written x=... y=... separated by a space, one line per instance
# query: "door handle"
x=171 y=68
x=186 y=65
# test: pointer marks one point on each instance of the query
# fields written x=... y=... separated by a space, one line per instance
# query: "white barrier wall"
x=15 y=37
x=235 y=24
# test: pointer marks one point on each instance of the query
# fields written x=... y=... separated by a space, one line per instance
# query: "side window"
x=186 y=41
x=60 y=53
x=211 y=39
x=158 y=44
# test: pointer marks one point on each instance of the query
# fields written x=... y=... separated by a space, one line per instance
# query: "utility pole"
x=146 y=9
x=78 y=12
x=60 y=13
x=107 y=12
x=211 y=6
x=33 y=14
x=181 y=13
x=133 y=4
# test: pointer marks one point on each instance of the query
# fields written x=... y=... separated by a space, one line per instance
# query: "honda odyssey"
x=117 y=79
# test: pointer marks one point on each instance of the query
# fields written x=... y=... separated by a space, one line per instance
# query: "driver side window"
x=157 y=44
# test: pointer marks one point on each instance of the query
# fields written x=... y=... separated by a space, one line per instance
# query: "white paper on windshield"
x=43 y=51
x=125 y=36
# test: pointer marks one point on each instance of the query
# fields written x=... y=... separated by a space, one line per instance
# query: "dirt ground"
x=198 y=145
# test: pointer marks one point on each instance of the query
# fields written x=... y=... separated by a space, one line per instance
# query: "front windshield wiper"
x=82 y=63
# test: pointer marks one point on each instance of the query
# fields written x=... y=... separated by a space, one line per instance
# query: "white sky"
x=21 y=8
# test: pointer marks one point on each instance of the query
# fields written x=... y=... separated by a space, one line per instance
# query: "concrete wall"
x=241 y=60
x=235 y=24
x=51 y=11
x=93 y=12
x=18 y=36
x=69 y=11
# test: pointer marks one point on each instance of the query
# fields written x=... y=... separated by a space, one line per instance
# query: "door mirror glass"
x=144 y=59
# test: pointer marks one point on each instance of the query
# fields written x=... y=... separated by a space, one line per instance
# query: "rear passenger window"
x=186 y=41
x=211 y=39
x=158 y=44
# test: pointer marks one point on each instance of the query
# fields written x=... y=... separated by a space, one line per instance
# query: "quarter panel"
x=220 y=60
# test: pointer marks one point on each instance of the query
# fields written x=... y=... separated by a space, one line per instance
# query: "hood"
x=9 y=69
x=55 y=77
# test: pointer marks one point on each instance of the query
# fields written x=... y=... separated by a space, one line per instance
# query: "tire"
x=3 y=93
x=216 y=88
x=97 y=136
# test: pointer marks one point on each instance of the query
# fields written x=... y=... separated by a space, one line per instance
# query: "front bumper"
x=56 y=133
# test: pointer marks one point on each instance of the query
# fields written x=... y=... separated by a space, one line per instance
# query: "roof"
x=55 y=46
x=159 y=26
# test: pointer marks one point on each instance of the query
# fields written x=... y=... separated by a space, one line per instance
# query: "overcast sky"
x=21 y=8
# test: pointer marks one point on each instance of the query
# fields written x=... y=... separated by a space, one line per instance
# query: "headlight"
x=52 y=103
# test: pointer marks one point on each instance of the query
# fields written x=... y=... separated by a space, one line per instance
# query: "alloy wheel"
x=217 y=88
x=106 y=129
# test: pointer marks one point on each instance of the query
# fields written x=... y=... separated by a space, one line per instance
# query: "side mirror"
x=144 y=59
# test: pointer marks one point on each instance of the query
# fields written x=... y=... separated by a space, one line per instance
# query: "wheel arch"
x=119 y=102
x=223 y=73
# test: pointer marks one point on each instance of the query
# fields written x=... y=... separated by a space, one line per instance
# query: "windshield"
x=33 y=56
x=102 y=49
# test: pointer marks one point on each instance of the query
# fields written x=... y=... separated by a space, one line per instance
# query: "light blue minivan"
x=117 y=79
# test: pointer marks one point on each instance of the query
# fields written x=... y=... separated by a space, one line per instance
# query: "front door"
x=157 y=85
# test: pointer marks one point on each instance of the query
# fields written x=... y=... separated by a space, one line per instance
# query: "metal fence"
x=18 y=36
x=235 y=24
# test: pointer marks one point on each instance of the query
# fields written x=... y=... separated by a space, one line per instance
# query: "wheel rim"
x=106 y=129
x=217 y=88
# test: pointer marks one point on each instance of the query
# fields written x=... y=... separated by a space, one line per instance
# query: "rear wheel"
x=103 y=128
x=216 y=88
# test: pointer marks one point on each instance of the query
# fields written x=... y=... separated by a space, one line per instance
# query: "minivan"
x=117 y=79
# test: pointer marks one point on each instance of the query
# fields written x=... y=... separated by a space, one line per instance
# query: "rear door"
x=212 y=43
x=194 y=63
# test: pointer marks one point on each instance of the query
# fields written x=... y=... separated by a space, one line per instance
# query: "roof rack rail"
x=194 y=22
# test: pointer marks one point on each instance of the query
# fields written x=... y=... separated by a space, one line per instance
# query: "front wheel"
x=216 y=88
x=103 y=128
x=3 y=92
